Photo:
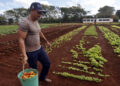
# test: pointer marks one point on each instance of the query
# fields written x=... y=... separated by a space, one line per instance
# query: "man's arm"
x=22 y=36
x=42 y=36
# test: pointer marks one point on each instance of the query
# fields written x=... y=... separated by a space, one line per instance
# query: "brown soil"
x=115 y=30
x=10 y=61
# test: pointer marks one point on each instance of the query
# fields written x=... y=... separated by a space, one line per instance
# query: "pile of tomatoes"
x=27 y=75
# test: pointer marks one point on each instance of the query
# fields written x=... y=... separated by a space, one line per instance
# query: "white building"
x=101 y=20
x=119 y=20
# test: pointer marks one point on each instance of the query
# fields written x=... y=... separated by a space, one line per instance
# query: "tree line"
x=59 y=14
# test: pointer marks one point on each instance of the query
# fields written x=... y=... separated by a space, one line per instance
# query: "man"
x=29 y=33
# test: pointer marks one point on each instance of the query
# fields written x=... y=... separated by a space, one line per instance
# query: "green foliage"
x=64 y=38
x=74 y=53
x=77 y=69
x=102 y=75
x=72 y=14
x=97 y=69
x=2 y=20
x=96 y=62
x=81 y=62
x=105 y=12
x=10 y=21
x=115 y=18
x=17 y=13
x=81 y=77
x=116 y=26
x=66 y=62
x=69 y=14
x=113 y=39
x=91 y=31
x=8 y=29
x=118 y=13
x=47 y=25
x=95 y=57
x=94 y=54
x=117 y=50
x=80 y=46
x=85 y=67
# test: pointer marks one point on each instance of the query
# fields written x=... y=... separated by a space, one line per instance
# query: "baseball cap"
x=37 y=6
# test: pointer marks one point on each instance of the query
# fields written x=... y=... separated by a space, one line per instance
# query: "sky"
x=88 y=5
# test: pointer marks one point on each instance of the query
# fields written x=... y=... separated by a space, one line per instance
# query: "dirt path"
x=56 y=55
x=10 y=71
x=113 y=65
x=10 y=61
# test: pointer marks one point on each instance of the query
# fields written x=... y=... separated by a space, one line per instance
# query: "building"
x=100 y=20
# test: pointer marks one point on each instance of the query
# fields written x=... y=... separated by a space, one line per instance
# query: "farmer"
x=29 y=33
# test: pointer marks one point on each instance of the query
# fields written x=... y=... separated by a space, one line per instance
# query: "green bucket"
x=30 y=81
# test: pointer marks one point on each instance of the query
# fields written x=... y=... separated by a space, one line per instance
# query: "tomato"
x=27 y=75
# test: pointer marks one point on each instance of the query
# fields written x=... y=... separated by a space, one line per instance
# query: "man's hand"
x=42 y=35
x=48 y=43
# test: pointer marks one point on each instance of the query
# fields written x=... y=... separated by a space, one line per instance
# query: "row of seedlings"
x=113 y=39
x=64 y=38
x=115 y=28
x=96 y=62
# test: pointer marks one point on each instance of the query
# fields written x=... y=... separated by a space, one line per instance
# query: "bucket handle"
x=23 y=70
x=23 y=67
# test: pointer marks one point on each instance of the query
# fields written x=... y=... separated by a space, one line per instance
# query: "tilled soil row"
x=10 y=63
x=113 y=65
x=115 y=31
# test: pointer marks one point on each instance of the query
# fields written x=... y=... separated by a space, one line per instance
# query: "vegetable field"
x=80 y=54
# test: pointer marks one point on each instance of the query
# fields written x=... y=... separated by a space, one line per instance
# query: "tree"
x=65 y=12
x=73 y=14
x=52 y=13
x=2 y=20
x=115 y=18
x=105 y=12
x=118 y=13
x=77 y=13
x=10 y=21
x=17 y=13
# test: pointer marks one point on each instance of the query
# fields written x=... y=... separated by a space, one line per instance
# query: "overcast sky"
x=88 y=5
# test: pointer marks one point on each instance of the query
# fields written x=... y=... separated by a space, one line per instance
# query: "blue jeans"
x=39 y=55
